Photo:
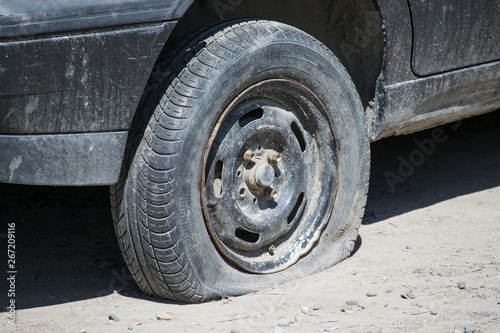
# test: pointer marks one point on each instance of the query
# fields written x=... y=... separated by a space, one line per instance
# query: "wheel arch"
x=351 y=29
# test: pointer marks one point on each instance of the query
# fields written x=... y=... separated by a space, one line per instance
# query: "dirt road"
x=428 y=256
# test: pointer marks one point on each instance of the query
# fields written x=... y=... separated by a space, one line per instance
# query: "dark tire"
x=240 y=110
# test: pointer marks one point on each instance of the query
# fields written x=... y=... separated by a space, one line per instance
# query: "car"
x=234 y=135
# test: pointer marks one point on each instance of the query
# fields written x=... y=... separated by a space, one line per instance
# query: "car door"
x=454 y=34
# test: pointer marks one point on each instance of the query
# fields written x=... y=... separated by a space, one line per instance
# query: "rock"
x=371 y=294
x=485 y=314
x=305 y=310
x=469 y=328
x=130 y=328
x=388 y=291
x=409 y=247
x=82 y=331
x=164 y=316
x=113 y=318
x=462 y=285
x=351 y=302
x=408 y=295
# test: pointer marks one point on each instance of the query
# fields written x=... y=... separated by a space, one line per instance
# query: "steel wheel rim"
x=269 y=177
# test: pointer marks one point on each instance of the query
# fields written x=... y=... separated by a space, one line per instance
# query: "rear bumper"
x=62 y=159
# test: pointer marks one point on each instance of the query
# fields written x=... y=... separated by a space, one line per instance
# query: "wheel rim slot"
x=295 y=212
x=247 y=236
x=248 y=117
x=219 y=167
x=298 y=134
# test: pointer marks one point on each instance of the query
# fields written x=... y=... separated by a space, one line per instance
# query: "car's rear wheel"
x=254 y=162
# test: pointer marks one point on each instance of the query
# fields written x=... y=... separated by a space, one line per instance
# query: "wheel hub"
x=259 y=173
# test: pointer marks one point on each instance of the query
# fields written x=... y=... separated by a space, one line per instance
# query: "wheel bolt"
x=274 y=157
x=242 y=193
x=271 y=193
x=271 y=249
x=248 y=156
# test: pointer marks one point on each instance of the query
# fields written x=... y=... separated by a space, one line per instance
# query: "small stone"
x=82 y=331
x=352 y=302
x=485 y=313
x=388 y=291
x=408 y=296
x=305 y=310
x=371 y=294
x=164 y=316
x=462 y=285
x=409 y=247
x=414 y=303
x=469 y=328
x=113 y=318
x=130 y=328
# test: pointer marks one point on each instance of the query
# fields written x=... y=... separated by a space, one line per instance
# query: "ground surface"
x=432 y=221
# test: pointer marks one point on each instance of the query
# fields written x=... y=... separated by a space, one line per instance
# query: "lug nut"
x=274 y=157
x=242 y=193
x=271 y=193
x=248 y=156
x=271 y=250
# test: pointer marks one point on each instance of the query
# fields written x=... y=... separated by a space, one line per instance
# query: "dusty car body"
x=74 y=75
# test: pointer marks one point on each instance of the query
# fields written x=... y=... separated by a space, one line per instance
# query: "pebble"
x=305 y=310
x=164 y=316
x=462 y=285
x=485 y=313
x=409 y=247
x=408 y=296
x=352 y=302
x=113 y=317
x=469 y=328
x=82 y=331
x=130 y=328
x=371 y=294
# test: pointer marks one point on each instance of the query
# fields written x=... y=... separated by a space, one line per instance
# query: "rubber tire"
x=156 y=204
